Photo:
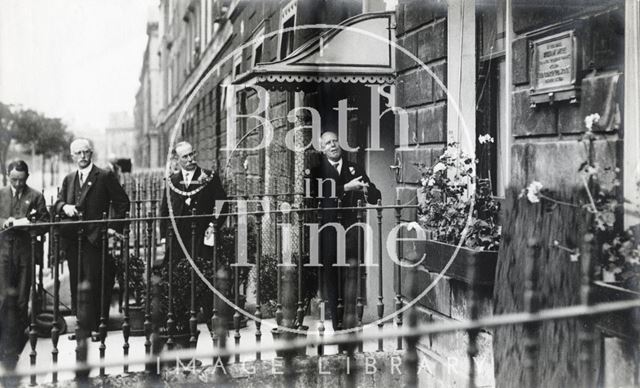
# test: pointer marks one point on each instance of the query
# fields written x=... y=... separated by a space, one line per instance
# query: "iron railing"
x=140 y=239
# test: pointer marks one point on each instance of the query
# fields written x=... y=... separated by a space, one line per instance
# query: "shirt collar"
x=13 y=191
x=337 y=164
x=85 y=171
x=187 y=173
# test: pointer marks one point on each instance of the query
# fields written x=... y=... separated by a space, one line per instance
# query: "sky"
x=74 y=59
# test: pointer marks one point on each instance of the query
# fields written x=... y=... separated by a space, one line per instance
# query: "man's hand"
x=356 y=184
x=113 y=233
x=70 y=210
x=8 y=223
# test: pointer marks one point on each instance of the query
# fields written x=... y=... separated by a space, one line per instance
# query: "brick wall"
x=421 y=28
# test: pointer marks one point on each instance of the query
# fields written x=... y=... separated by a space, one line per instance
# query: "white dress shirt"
x=187 y=176
x=337 y=165
x=83 y=173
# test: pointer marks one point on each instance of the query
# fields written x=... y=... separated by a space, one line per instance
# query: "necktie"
x=336 y=165
x=15 y=205
x=81 y=178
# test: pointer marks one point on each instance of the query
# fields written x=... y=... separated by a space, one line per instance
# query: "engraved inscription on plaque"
x=553 y=69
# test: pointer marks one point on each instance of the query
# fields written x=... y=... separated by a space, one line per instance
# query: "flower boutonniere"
x=352 y=170
x=204 y=178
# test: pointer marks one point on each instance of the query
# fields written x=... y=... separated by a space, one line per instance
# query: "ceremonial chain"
x=203 y=181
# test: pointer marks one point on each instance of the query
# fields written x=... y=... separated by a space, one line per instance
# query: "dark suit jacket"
x=203 y=202
x=322 y=180
x=32 y=203
x=101 y=193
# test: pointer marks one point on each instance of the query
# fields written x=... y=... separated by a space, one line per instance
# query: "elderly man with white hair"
x=91 y=191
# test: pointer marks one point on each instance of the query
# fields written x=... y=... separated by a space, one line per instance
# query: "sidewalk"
x=115 y=340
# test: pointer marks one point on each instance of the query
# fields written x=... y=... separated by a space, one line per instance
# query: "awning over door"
x=359 y=51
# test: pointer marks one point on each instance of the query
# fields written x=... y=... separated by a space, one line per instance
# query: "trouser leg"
x=5 y=286
x=23 y=276
x=71 y=254
x=331 y=285
x=92 y=266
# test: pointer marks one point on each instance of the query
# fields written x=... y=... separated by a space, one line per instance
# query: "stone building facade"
x=148 y=100
x=460 y=69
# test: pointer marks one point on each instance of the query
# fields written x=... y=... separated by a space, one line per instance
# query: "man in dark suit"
x=190 y=188
x=91 y=191
x=336 y=178
x=19 y=206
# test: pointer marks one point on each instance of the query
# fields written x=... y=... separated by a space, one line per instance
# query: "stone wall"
x=546 y=147
x=545 y=138
x=422 y=31
x=421 y=28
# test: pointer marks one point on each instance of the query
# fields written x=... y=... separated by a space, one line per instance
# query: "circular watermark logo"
x=231 y=149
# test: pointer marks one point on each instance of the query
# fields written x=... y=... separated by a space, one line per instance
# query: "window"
x=237 y=62
x=258 y=44
x=287 y=22
x=211 y=102
x=491 y=96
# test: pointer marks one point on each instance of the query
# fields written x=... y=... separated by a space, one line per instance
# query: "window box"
x=466 y=261
x=619 y=323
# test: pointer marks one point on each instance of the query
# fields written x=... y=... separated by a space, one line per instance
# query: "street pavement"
x=115 y=340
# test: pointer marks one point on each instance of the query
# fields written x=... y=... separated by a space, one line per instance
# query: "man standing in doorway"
x=19 y=205
x=336 y=178
x=93 y=192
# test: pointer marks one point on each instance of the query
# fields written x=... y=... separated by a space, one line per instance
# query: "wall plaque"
x=554 y=69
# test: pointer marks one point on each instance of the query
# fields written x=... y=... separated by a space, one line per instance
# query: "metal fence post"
x=102 y=328
x=258 y=313
x=399 y=274
x=126 y=328
x=55 y=330
x=587 y=334
x=380 y=304
x=531 y=306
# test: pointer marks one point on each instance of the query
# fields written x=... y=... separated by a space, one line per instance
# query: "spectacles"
x=84 y=152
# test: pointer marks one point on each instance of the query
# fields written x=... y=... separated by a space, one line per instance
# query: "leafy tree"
x=43 y=135
x=7 y=130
